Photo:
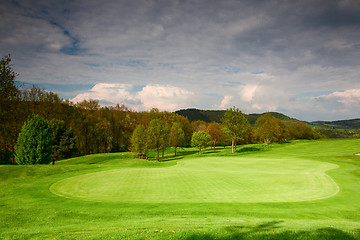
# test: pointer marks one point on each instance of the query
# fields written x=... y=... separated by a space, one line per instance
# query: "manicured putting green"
x=207 y=179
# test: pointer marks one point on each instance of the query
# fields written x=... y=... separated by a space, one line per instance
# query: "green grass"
x=206 y=180
x=297 y=190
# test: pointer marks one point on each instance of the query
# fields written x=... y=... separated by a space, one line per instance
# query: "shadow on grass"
x=267 y=231
x=266 y=226
x=218 y=152
x=183 y=154
x=209 y=151
x=251 y=149
x=172 y=157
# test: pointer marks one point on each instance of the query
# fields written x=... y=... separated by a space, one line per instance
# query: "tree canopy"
x=177 y=136
x=63 y=139
x=300 y=130
x=214 y=129
x=237 y=124
x=8 y=88
x=200 y=140
x=154 y=135
x=139 y=141
x=34 y=144
x=271 y=129
x=9 y=92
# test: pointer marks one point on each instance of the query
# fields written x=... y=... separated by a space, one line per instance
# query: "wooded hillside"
x=216 y=115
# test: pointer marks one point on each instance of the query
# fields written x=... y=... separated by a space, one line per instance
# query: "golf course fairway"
x=209 y=179
x=296 y=190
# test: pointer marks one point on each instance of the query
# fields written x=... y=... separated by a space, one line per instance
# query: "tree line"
x=86 y=128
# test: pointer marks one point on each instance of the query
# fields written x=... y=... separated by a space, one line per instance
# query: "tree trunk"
x=158 y=155
x=175 y=151
x=13 y=155
x=232 y=145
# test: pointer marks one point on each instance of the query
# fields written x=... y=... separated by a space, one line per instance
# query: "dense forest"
x=217 y=115
x=86 y=127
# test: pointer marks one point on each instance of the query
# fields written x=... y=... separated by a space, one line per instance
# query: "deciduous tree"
x=185 y=124
x=300 y=130
x=214 y=129
x=10 y=110
x=63 y=140
x=270 y=129
x=34 y=144
x=122 y=125
x=177 y=136
x=139 y=141
x=237 y=124
x=154 y=136
x=198 y=125
x=86 y=120
x=200 y=140
x=102 y=135
x=165 y=138
x=8 y=90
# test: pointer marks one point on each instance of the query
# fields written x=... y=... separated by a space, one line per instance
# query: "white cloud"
x=225 y=102
x=165 y=97
x=337 y=105
x=247 y=92
x=110 y=93
x=348 y=98
x=340 y=101
x=168 y=98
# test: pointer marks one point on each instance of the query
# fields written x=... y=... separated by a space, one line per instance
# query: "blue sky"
x=300 y=58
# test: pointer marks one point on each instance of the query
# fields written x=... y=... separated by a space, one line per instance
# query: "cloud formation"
x=110 y=94
x=138 y=97
x=256 y=55
x=225 y=103
x=165 y=97
x=340 y=101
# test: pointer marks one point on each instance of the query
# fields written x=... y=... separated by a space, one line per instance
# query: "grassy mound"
x=297 y=190
x=208 y=179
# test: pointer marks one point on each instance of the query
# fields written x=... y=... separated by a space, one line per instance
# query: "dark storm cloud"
x=327 y=29
x=335 y=14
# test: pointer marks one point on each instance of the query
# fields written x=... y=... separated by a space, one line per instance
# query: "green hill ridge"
x=208 y=116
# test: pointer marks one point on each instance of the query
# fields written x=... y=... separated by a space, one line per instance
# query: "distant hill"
x=216 y=115
x=204 y=115
x=194 y=114
x=254 y=116
x=330 y=129
x=340 y=124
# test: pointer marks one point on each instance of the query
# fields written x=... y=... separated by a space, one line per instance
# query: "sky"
x=297 y=57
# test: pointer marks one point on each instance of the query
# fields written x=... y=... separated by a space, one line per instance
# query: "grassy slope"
x=29 y=210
